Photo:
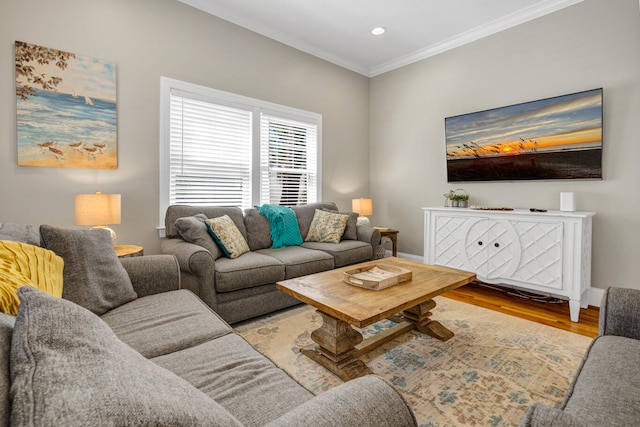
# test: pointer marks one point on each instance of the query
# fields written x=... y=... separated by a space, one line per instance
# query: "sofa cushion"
x=23 y=264
x=540 y=415
x=249 y=270
x=68 y=368
x=166 y=322
x=367 y=401
x=93 y=275
x=258 y=230
x=192 y=229
x=20 y=233
x=605 y=390
x=227 y=236
x=346 y=252
x=300 y=261
x=327 y=227
x=239 y=378
x=6 y=330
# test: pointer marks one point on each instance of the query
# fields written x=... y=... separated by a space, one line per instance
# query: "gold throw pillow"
x=23 y=264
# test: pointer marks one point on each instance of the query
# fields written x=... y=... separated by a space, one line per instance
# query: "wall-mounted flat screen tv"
x=553 y=138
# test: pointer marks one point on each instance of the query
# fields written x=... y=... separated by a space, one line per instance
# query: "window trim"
x=256 y=106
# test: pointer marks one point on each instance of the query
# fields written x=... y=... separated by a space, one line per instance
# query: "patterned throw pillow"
x=351 y=230
x=327 y=227
x=22 y=264
x=227 y=236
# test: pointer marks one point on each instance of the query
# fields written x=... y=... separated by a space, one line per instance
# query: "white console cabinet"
x=543 y=252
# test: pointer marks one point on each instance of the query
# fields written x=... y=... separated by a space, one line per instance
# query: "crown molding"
x=493 y=27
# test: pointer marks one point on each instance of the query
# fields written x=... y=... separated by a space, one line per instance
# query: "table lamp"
x=362 y=207
x=98 y=210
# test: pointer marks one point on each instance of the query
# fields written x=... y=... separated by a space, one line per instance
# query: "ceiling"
x=339 y=31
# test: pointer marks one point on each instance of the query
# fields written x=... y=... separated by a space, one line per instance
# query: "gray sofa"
x=244 y=287
x=605 y=390
x=163 y=357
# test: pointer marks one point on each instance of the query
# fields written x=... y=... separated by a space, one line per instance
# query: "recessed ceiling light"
x=378 y=31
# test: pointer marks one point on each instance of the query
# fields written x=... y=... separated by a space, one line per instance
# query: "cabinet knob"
x=497 y=245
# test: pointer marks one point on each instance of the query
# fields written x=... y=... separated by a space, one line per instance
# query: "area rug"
x=488 y=374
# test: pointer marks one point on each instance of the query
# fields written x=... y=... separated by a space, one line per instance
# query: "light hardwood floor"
x=552 y=314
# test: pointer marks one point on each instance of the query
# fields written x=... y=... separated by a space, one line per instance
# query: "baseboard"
x=410 y=257
x=594 y=296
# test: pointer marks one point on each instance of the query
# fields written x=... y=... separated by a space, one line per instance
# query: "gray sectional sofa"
x=155 y=355
x=605 y=389
x=244 y=287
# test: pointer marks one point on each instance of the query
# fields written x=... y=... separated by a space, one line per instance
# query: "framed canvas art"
x=66 y=109
x=549 y=139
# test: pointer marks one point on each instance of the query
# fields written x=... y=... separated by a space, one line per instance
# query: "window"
x=222 y=149
x=288 y=161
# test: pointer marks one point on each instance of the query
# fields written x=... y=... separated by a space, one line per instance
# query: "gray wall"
x=382 y=137
x=152 y=38
x=586 y=46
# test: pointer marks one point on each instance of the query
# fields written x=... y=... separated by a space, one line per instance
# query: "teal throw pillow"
x=284 y=225
x=226 y=234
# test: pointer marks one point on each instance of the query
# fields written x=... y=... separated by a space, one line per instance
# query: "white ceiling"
x=339 y=31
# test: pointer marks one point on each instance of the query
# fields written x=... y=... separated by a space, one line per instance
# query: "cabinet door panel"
x=492 y=248
x=541 y=254
x=447 y=234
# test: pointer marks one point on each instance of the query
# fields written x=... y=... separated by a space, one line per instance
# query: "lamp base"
x=363 y=220
x=113 y=233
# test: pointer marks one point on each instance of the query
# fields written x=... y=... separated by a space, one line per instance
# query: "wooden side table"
x=125 y=251
x=391 y=234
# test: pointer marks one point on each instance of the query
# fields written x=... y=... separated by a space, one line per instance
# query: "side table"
x=391 y=234
x=125 y=251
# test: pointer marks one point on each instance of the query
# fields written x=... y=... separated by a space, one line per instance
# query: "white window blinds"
x=210 y=155
x=288 y=161
x=222 y=149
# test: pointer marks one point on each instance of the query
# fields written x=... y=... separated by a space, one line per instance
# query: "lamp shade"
x=97 y=209
x=362 y=206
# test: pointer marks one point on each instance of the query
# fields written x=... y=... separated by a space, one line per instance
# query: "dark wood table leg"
x=335 y=348
x=421 y=317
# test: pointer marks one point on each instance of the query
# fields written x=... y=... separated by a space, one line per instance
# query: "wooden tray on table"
x=376 y=276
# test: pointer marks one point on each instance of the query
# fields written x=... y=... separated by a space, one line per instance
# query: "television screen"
x=553 y=138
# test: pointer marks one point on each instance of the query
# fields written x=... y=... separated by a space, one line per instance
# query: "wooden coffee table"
x=338 y=345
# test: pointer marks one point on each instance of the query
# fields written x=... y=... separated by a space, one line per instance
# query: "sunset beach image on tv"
x=553 y=138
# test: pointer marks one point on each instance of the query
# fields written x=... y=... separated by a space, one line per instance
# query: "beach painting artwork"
x=66 y=109
x=553 y=138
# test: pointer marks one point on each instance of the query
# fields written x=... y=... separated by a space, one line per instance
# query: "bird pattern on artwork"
x=51 y=147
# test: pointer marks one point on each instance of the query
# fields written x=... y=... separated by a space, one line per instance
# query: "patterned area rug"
x=488 y=374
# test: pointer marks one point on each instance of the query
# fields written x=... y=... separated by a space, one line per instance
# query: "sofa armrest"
x=364 y=402
x=545 y=416
x=620 y=313
x=370 y=235
x=198 y=268
x=152 y=274
x=192 y=258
